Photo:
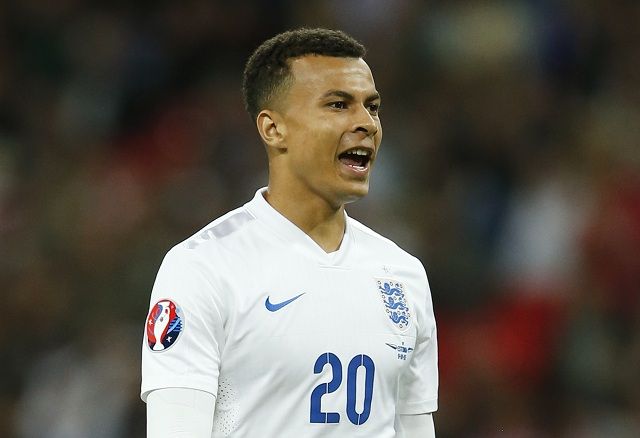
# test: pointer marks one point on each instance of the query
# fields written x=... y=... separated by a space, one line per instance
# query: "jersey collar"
x=294 y=236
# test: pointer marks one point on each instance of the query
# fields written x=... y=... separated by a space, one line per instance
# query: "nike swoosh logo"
x=277 y=306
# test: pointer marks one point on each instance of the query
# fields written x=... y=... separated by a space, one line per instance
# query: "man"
x=285 y=317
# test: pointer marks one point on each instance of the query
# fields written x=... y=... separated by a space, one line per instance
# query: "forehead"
x=319 y=74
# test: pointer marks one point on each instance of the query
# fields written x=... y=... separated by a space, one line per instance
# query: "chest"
x=291 y=314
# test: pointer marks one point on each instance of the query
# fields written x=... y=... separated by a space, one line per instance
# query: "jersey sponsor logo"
x=164 y=325
x=401 y=349
x=274 y=307
x=395 y=303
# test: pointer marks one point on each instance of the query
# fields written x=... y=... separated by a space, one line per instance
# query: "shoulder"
x=230 y=226
x=213 y=241
x=368 y=236
x=383 y=247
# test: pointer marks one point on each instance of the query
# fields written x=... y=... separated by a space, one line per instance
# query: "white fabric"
x=187 y=413
x=415 y=426
x=268 y=369
x=179 y=413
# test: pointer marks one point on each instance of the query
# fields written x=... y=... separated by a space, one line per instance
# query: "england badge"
x=164 y=325
x=395 y=303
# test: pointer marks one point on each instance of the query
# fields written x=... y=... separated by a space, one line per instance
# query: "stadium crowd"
x=510 y=166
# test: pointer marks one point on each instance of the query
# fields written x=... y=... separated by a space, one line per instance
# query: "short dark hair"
x=267 y=71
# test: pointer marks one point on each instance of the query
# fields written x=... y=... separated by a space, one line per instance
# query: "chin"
x=355 y=192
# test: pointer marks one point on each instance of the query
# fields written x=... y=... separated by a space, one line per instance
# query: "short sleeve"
x=418 y=386
x=184 y=332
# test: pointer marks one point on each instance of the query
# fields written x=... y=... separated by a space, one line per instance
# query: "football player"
x=286 y=317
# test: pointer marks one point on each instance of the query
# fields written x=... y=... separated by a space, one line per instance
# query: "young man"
x=285 y=317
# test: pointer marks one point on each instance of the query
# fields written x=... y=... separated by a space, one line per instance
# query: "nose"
x=365 y=122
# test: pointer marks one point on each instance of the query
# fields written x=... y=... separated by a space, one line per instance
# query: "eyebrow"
x=348 y=96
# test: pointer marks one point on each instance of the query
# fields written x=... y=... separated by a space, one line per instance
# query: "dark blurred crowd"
x=510 y=166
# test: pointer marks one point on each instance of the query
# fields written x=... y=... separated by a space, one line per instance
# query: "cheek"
x=313 y=142
x=317 y=145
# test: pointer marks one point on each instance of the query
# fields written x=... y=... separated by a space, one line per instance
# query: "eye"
x=374 y=108
x=338 y=105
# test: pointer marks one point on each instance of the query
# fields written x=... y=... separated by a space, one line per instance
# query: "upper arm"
x=418 y=384
x=187 y=352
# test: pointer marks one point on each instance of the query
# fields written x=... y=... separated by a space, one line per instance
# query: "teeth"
x=359 y=152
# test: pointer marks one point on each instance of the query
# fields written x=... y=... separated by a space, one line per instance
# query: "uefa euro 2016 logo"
x=395 y=303
x=164 y=325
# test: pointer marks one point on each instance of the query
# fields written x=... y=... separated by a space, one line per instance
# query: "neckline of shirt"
x=293 y=235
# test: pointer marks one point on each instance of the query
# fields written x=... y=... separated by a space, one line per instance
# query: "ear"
x=272 y=129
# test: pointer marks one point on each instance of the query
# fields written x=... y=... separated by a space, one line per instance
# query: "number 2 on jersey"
x=360 y=360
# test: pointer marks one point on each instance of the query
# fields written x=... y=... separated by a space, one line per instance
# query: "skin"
x=330 y=107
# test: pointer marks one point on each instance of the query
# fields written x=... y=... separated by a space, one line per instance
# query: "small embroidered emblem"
x=164 y=325
x=401 y=349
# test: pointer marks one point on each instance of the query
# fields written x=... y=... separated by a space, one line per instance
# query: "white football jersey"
x=292 y=341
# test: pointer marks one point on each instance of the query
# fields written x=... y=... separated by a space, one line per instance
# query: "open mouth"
x=357 y=158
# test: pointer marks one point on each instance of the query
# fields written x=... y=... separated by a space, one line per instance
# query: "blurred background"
x=510 y=166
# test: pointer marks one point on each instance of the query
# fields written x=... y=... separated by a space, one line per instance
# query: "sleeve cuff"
x=201 y=385
x=419 y=407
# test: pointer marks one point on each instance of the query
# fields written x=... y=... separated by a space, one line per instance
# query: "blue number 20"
x=361 y=360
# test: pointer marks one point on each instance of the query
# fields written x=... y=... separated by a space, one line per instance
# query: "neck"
x=321 y=221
